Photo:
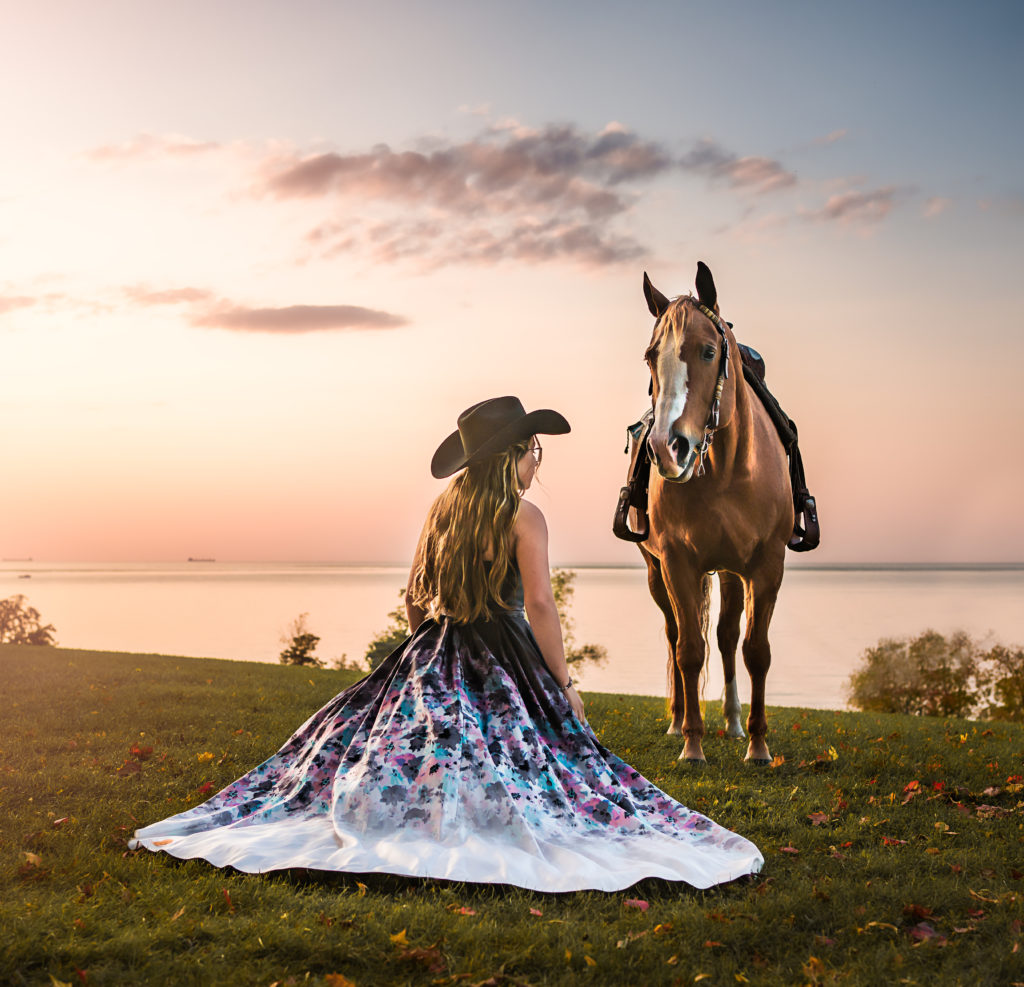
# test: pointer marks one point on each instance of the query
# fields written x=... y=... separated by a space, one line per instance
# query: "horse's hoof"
x=695 y=762
x=674 y=731
x=758 y=762
x=736 y=733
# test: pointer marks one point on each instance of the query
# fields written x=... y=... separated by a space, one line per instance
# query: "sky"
x=255 y=258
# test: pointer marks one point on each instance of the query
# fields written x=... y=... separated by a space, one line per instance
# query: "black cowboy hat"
x=490 y=427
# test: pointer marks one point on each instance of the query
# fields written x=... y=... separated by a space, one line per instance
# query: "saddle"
x=806 y=531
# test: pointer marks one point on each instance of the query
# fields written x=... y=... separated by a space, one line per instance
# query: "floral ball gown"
x=457 y=758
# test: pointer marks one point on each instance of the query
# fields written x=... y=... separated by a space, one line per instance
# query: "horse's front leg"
x=762 y=591
x=728 y=638
x=688 y=592
x=659 y=593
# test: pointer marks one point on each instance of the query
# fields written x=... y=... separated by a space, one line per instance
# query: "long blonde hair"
x=476 y=511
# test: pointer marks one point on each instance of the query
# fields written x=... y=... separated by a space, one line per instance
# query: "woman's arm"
x=531 y=534
x=415 y=614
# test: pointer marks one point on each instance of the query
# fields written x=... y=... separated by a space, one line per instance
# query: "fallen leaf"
x=430 y=958
x=33 y=859
x=205 y=756
x=228 y=901
x=178 y=914
x=672 y=960
x=711 y=943
x=589 y=960
x=777 y=761
x=788 y=849
x=881 y=925
x=631 y=937
x=54 y=982
x=917 y=911
x=818 y=818
x=466 y=911
x=824 y=941
x=57 y=823
x=536 y=911
x=892 y=841
x=338 y=980
x=925 y=931
x=400 y=939
x=636 y=903
x=205 y=788
x=700 y=977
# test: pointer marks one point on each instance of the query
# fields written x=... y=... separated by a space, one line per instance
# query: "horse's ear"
x=706 y=291
x=656 y=301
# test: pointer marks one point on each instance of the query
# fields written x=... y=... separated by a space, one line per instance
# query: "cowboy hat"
x=490 y=427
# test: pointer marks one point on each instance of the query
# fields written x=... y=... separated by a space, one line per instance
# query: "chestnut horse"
x=720 y=501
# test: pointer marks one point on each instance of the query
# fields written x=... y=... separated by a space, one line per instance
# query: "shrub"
x=934 y=675
x=21 y=624
x=392 y=635
x=300 y=645
x=575 y=655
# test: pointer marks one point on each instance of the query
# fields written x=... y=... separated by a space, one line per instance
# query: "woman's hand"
x=576 y=703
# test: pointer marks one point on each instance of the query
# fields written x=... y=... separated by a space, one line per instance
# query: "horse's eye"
x=709 y=353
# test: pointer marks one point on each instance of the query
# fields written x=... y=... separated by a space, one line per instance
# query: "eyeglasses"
x=537 y=451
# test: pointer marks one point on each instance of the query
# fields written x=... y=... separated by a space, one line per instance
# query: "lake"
x=825 y=618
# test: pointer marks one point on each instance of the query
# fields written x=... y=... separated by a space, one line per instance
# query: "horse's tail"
x=704 y=614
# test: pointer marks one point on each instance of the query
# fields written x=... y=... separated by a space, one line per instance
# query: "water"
x=824 y=618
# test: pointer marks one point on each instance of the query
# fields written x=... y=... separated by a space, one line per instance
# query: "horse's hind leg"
x=762 y=590
x=656 y=584
x=728 y=638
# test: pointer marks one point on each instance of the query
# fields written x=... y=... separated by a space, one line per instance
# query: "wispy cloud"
x=152 y=146
x=935 y=206
x=298 y=318
x=831 y=138
x=511 y=193
x=172 y=296
x=759 y=174
x=8 y=303
x=856 y=206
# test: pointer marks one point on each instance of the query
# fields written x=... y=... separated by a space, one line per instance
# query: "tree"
x=21 y=624
x=935 y=675
x=300 y=645
x=576 y=655
x=392 y=635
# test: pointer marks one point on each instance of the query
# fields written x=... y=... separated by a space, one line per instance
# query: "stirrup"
x=806 y=535
x=620 y=525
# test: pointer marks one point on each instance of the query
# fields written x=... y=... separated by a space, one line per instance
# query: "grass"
x=894 y=850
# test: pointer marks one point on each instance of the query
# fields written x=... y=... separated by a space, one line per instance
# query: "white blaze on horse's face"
x=674 y=450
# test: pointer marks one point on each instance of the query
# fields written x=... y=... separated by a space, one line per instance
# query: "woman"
x=466 y=754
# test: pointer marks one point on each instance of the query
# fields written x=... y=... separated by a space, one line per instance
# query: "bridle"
x=714 y=412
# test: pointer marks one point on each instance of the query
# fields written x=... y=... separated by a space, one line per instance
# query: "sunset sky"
x=256 y=257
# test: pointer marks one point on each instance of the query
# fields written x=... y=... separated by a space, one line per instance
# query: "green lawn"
x=894 y=850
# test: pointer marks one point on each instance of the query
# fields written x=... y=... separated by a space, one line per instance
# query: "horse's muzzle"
x=680 y=453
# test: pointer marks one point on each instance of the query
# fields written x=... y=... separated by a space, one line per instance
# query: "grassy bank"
x=894 y=850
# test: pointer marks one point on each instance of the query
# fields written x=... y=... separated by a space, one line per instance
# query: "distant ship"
x=200 y=560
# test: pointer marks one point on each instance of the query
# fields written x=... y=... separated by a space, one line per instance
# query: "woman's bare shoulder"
x=529 y=517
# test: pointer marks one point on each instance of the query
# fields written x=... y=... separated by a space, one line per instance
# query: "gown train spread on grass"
x=457 y=758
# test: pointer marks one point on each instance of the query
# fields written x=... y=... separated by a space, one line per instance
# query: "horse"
x=720 y=501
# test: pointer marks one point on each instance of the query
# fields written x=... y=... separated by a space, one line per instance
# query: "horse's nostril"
x=679 y=446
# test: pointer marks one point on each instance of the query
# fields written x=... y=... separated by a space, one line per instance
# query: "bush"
x=575 y=655
x=934 y=675
x=392 y=635
x=21 y=624
x=300 y=645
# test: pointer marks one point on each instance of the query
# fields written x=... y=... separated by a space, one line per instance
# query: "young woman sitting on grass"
x=466 y=754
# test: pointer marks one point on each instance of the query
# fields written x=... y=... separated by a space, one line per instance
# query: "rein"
x=711 y=425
